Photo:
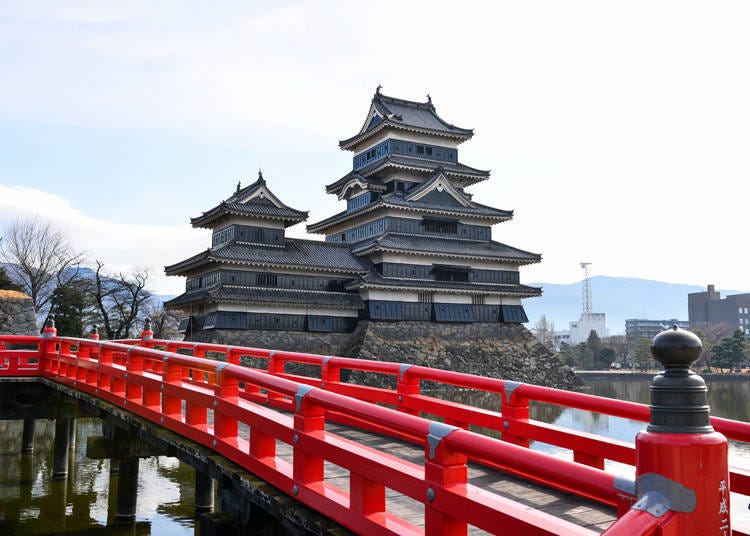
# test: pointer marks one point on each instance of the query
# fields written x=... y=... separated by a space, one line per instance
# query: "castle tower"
x=408 y=213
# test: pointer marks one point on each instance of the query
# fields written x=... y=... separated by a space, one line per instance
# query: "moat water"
x=31 y=503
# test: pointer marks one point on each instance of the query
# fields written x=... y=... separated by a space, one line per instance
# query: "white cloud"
x=122 y=247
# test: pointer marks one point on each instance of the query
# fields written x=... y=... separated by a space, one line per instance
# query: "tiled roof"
x=446 y=246
x=308 y=254
x=456 y=170
x=407 y=115
x=394 y=200
x=265 y=295
x=374 y=279
x=255 y=207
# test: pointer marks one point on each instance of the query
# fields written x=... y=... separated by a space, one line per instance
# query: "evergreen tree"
x=729 y=352
x=70 y=305
x=6 y=283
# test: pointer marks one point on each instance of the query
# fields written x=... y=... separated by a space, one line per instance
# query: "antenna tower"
x=586 y=315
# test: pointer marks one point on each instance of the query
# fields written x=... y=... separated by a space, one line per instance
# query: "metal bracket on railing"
x=219 y=367
x=127 y=354
x=167 y=356
x=438 y=432
x=326 y=359
x=625 y=485
x=658 y=494
x=228 y=351
x=302 y=391
x=402 y=369
x=508 y=387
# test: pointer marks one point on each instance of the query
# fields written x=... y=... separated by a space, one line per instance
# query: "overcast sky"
x=619 y=133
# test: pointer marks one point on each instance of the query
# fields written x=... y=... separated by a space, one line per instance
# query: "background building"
x=708 y=308
x=637 y=328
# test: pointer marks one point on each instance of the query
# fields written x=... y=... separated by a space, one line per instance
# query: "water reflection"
x=31 y=503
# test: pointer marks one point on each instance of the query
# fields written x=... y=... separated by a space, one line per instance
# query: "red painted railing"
x=156 y=380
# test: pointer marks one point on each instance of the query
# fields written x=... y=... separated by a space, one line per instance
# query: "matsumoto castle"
x=411 y=244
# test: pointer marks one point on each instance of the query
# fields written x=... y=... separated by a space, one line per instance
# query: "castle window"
x=266 y=280
x=440 y=226
x=459 y=274
x=477 y=300
x=420 y=149
x=425 y=297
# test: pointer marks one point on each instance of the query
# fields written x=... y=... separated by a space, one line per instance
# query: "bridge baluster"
x=104 y=380
x=407 y=386
x=171 y=406
x=226 y=427
x=442 y=468
x=134 y=367
x=515 y=412
x=308 y=418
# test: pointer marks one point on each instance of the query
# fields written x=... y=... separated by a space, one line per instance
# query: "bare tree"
x=119 y=301
x=545 y=332
x=164 y=323
x=40 y=257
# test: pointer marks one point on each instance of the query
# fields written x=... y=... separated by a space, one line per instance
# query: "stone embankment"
x=17 y=314
x=504 y=351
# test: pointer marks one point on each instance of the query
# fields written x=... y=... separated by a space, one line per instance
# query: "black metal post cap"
x=147 y=324
x=676 y=347
x=679 y=397
x=50 y=322
x=94 y=329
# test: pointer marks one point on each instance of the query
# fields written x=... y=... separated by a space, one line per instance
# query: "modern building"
x=638 y=328
x=411 y=245
x=581 y=329
x=708 y=308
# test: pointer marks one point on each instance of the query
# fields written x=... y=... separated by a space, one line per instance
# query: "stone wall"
x=293 y=341
x=17 y=314
x=504 y=351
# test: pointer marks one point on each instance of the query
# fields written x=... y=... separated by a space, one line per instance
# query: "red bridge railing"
x=211 y=400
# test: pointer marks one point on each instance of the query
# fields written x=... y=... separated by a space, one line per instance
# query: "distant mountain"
x=619 y=298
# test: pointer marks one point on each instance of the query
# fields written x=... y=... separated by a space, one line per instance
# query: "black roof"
x=265 y=295
x=296 y=252
x=449 y=247
x=375 y=280
x=396 y=200
x=405 y=115
x=267 y=207
x=467 y=174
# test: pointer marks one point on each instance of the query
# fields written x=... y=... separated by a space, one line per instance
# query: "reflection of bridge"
x=381 y=460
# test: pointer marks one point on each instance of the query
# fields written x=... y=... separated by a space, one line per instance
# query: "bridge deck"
x=577 y=510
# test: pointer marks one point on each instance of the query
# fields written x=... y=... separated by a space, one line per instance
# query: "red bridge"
x=290 y=430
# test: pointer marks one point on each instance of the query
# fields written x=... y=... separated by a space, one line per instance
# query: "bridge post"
x=147 y=335
x=681 y=462
x=127 y=490
x=204 y=492
x=61 y=449
x=27 y=439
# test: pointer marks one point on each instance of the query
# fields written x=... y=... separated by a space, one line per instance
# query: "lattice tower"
x=586 y=290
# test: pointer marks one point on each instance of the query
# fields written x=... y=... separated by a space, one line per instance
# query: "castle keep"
x=412 y=251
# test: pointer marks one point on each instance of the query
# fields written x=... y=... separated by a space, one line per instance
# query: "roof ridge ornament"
x=239 y=186
x=260 y=177
x=377 y=89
